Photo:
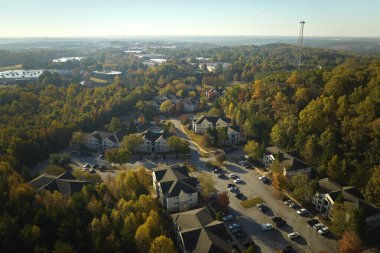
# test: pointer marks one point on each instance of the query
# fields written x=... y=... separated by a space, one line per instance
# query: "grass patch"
x=18 y=66
x=196 y=137
x=98 y=80
x=251 y=202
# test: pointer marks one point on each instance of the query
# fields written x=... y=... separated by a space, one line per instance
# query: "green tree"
x=304 y=189
x=178 y=144
x=115 y=125
x=166 y=107
x=372 y=190
x=162 y=244
x=61 y=247
x=252 y=150
x=131 y=142
x=207 y=184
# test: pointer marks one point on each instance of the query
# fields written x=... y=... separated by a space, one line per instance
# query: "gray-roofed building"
x=176 y=190
x=199 y=233
x=292 y=164
x=155 y=140
x=100 y=141
x=201 y=124
x=329 y=191
x=65 y=183
x=190 y=104
x=145 y=126
x=214 y=93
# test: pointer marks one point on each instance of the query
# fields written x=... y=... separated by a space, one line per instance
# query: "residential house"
x=234 y=135
x=100 y=141
x=155 y=141
x=212 y=66
x=329 y=191
x=145 y=126
x=197 y=232
x=190 y=104
x=292 y=165
x=66 y=183
x=214 y=93
x=201 y=124
x=176 y=190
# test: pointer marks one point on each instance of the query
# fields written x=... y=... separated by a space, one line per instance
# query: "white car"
x=293 y=235
x=318 y=226
x=233 y=226
x=266 y=227
x=228 y=217
x=238 y=180
x=292 y=204
x=232 y=175
x=301 y=211
x=323 y=230
x=87 y=166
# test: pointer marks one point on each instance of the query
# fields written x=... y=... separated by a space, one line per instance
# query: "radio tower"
x=300 y=43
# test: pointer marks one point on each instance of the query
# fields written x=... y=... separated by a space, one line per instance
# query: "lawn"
x=251 y=202
x=98 y=80
x=18 y=66
x=197 y=138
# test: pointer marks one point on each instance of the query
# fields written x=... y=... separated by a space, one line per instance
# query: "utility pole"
x=300 y=43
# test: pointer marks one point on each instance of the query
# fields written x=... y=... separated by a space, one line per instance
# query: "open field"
x=18 y=66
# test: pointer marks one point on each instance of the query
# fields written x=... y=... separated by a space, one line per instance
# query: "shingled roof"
x=154 y=134
x=174 y=179
x=291 y=162
x=211 y=119
x=200 y=233
x=100 y=135
x=65 y=183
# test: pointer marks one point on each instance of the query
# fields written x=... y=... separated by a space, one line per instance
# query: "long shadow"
x=286 y=228
x=300 y=240
x=235 y=169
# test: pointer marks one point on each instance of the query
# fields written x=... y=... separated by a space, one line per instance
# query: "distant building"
x=66 y=59
x=190 y=105
x=213 y=65
x=201 y=124
x=101 y=141
x=214 y=93
x=155 y=141
x=292 y=164
x=198 y=232
x=176 y=190
x=329 y=191
x=66 y=183
x=20 y=75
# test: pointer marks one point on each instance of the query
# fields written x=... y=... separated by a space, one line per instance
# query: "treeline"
x=37 y=120
x=115 y=216
x=330 y=116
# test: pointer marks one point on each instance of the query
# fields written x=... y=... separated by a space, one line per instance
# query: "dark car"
x=279 y=221
x=287 y=249
x=312 y=222
x=262 y=207
x=222 y=176
x=230 y=185
x=96 y=166
x=239 y=195
x=240 y=233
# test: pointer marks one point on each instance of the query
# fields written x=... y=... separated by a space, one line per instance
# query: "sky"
x=88 y=18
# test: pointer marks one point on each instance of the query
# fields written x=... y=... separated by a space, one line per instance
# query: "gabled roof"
x=175 y=179
x=291 y=162
x=232 y=129
x=144 y=126
x=100 y=135
x=211 y=119
x=65 y=183
x=155 y=134
x=191 y=101
x=200 y=233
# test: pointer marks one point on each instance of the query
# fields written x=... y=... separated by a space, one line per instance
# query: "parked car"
x=228 y=217
x=262 y=207
x=266 y=227
x=233 y=226
x=222 y=176
x=312 y=222
x=230 y=185
x=287 y=202
x=279 y=221
x=101 y=156
x=302 y=211
x=264 y=179
x=238 y=181
x=232 y=176
x=87 y=165
x=287 y=249
x=293 y=235
x=318 y=226
x=240 y=233
x=293 y=205
x=323 y=231
x=239 y=195
x=233 y=189
x=284 y=199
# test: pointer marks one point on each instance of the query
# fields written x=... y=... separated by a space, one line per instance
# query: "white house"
x=176 y=190
x=292 y=164
x=155 y=141
x=201 y=124
x=234 y=135
x=100 y=141
x=329 y=191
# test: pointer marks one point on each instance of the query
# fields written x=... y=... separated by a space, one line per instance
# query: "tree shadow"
x=300 y=240
x=235 y=169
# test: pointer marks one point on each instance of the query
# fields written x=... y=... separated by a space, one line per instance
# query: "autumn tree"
x=350 y=243
x=252 y=150
x=207 y=184
x=224 y=200
x=162 y=244
x=178 y=144
x=372 y=189
x=166 y=106
x=131 y=142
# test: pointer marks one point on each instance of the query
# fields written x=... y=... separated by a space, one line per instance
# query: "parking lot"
x=251 y=219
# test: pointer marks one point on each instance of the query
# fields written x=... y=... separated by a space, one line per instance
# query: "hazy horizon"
x=73 y=19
